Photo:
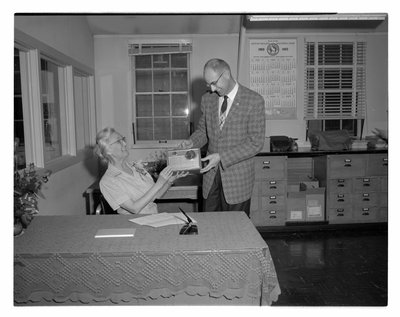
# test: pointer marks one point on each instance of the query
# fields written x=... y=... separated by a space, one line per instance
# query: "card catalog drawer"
x=346 y=166
x=340 y=215
x=273 y=187
x=271 y=167
x=366 y=199
x=340 y=185
x=340 y=199
x=377 y=164
x=365 y=214
x=366 y=184
x=268 y=217
x=273 y=201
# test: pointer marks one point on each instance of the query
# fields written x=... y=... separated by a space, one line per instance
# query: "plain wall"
x=70 y=36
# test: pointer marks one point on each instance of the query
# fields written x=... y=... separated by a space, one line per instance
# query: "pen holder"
x=189 y=229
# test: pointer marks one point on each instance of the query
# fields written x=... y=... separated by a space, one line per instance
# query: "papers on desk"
x=161 y=219
x=115 y=233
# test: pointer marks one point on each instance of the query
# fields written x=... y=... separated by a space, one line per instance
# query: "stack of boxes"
x=305 y=202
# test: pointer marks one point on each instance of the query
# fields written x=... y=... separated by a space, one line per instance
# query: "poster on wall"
x=273 y=68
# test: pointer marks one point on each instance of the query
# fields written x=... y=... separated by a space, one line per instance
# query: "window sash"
x=335 y=80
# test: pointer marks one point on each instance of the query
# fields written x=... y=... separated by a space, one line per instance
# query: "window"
x=53 y=107
x=161 y=99
x=50 y=94
x=335 y=81
x=19 y=137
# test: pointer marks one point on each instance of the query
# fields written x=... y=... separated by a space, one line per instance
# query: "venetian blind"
x=335 y=80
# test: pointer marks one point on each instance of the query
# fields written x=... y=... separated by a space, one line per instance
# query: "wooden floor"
x=334 y=268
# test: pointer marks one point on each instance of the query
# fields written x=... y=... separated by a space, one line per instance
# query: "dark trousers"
x=216 y=199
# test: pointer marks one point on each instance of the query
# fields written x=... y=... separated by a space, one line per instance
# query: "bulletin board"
x=273 y=69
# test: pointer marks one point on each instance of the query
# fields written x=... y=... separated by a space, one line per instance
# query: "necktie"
x=224 y=105
x=222 y=115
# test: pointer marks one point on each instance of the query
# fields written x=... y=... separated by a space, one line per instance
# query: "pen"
x=189 y=220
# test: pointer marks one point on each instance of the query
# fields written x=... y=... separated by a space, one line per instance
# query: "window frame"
x=185 y=47
x=31 y=52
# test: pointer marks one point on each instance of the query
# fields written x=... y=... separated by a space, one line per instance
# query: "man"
x=233 y=125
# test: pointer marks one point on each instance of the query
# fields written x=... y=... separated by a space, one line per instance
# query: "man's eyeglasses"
x=120 y=140
x=215 y=82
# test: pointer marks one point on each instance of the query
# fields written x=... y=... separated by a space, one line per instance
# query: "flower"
x=27 y=185
x=156 y=163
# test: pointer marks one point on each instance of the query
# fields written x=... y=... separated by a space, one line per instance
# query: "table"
x=187 y=188
x=57 y=261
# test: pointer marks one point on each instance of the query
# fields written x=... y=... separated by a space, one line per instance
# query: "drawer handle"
x=347 y=160
x=266 y=162
x=272 y=217
x=365 y=199
x=266 y=167
x=272 y=202
x=365 y=213
x=347 y=165
x=272 y=182
x=340 y=210
x=340 y=185
x=340 y=215
x=272 y=187
x=366 y=184
x=272 y=212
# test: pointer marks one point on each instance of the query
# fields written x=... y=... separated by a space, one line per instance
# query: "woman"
x=128 y=187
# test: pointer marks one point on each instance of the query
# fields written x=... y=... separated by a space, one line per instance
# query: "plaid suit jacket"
x=240 y=139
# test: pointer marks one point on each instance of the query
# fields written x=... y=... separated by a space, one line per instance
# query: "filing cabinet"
x=268 y=201
x=356 y=187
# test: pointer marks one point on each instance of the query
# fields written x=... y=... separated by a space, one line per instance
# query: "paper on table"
x=115 y=233
x=161 y=219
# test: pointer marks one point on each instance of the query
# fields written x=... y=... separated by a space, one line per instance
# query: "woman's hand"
x=178 y=174
x=169 y=175
x=165 y=175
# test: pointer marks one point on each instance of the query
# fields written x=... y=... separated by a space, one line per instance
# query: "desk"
x=187 y=188
x=57 y=261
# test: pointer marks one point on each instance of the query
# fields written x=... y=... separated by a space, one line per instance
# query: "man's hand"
x=185 y=144
x=213 y=160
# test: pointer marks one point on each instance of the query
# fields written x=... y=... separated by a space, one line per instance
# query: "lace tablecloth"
x=58 y=261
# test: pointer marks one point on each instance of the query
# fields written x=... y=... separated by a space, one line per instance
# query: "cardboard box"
x=315 y=204
x=305 y=185
x=296 y=206
x=307 y=205
x=184 y=160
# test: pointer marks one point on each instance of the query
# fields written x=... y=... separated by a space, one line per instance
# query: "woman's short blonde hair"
x=102 y=148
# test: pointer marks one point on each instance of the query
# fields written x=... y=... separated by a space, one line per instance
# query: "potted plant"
x=27 y=185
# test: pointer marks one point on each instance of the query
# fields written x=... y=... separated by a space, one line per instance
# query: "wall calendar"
x=273 y=68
